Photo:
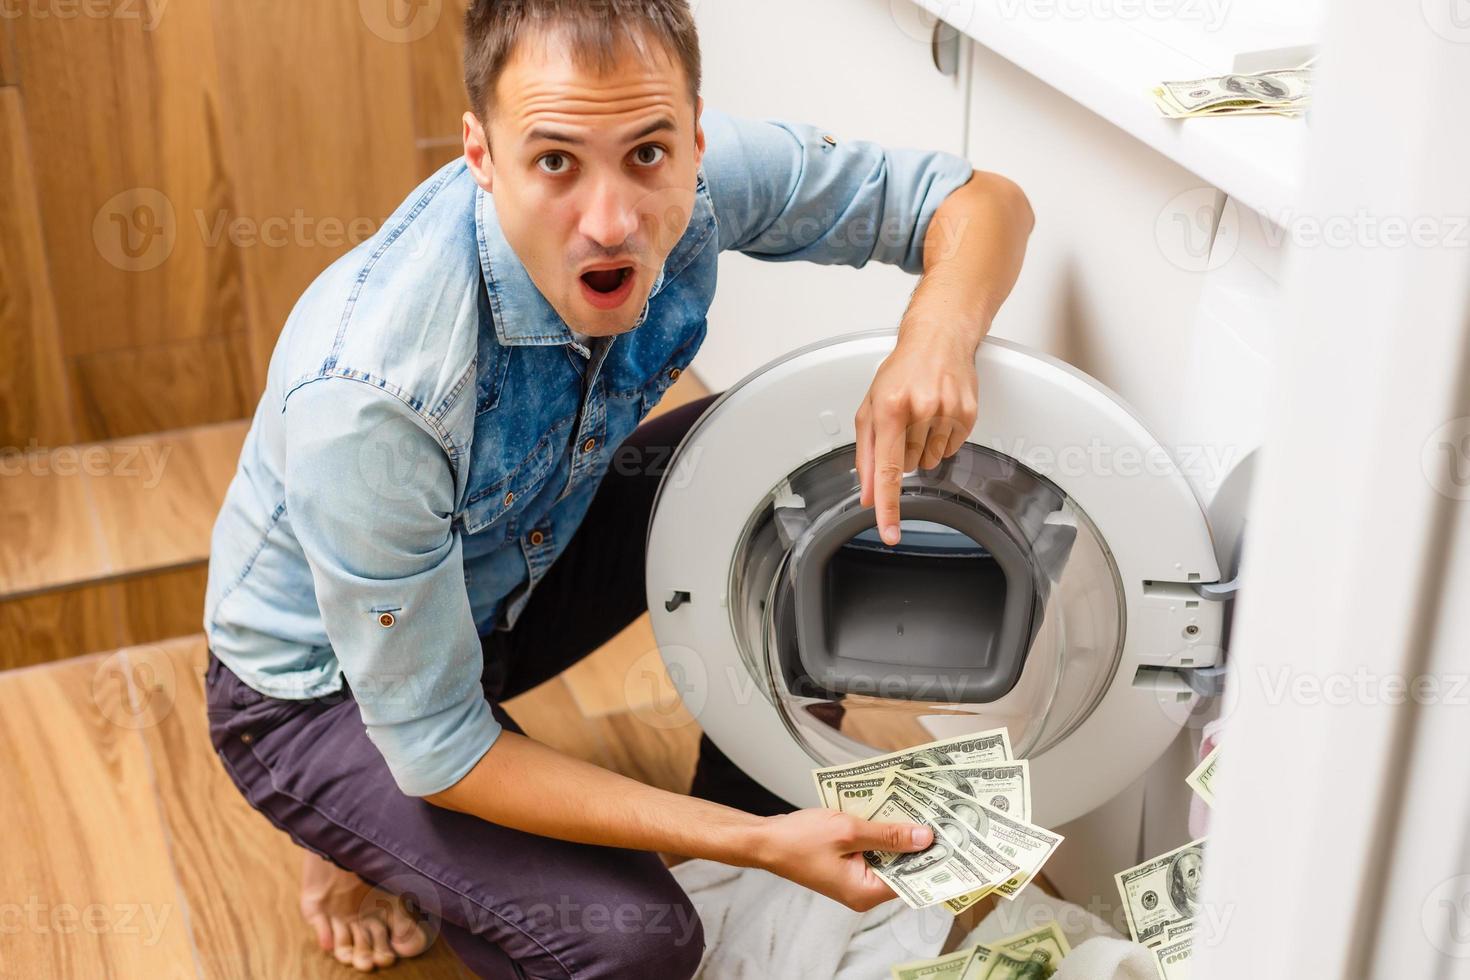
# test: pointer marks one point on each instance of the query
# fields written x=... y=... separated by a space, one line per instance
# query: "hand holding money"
x=973 y=793
x=823 y=850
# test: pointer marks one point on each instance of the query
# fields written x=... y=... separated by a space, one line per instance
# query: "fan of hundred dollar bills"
x=974 y=795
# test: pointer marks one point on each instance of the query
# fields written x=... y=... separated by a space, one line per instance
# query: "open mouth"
x=607 y=288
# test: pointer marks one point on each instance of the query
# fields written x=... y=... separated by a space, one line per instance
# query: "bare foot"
x=362 y=933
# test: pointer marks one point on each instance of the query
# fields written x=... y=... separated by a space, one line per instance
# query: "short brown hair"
x=595 y=30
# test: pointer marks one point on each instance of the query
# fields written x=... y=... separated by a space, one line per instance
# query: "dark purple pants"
x=510 y=903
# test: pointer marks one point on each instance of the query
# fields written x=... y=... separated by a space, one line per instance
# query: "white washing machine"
x=1052 y=580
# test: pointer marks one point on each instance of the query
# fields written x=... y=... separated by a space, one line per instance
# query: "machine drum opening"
x=936 y=599
x=946 y=615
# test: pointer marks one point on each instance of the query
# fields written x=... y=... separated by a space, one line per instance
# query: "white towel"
x=1098 y=952
x=758 y=926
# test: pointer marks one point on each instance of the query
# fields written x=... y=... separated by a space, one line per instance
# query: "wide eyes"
x=648 y=155
x=556 y=163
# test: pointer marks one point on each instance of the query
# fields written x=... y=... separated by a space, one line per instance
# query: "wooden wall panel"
x=439 y=99
x=33 y=405
x=185 y=383
x=124 y=121
x=57 y=625
x=320 y=133
x=9 y=73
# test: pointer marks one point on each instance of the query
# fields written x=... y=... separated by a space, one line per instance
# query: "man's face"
x=592 y=174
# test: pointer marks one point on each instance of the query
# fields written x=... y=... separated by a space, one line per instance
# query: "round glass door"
x=1000 y=607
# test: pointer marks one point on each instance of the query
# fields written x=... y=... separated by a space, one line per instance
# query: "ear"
x=698 y=132
x=477 y=152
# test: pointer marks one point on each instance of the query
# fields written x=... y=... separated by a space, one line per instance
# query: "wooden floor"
x=127 y=851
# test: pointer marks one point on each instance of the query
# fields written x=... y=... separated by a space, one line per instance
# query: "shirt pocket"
x=503 y=500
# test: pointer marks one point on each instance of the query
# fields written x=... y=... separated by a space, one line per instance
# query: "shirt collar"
x=522 y=315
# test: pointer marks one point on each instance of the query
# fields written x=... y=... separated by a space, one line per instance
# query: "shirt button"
x=537 y=537
x=589 y=445
x=247 y=738
x=510 y=497
x=674 y=374
x=829 y=139
x=386 y=620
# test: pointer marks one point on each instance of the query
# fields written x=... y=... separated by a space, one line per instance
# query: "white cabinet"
x=862 y=69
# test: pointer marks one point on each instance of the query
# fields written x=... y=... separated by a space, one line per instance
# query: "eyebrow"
x=663 y=124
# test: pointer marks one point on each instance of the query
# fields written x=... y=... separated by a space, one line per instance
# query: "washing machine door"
x=1044 y=583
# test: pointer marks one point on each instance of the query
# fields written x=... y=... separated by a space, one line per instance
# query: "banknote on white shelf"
x=1284 y=91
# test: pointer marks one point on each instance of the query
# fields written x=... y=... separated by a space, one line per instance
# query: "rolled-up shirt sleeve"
x=370 y=495
x=786 y=191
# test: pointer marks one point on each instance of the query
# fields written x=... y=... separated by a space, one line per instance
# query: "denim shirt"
x=431 y=432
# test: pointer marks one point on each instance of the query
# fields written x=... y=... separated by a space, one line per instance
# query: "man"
x=425 y=520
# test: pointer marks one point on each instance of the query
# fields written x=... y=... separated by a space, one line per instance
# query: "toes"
x=362 y=948
x=322 y=926
x=342 y=941
x=407 y=937
x=377 y=931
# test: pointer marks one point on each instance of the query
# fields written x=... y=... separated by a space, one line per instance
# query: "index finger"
x=888 y=452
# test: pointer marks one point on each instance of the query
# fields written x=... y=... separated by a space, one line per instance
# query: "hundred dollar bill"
x=1203 y=778
x=976 y=748
x=1161 y=892
x=957 y=863
x=1027 y=845
x=1048 y=937
x=858 y=793
x=1172 y=959
x=991 y=963
x=1004 y=786
x=1267 y=91
x=948 y=967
